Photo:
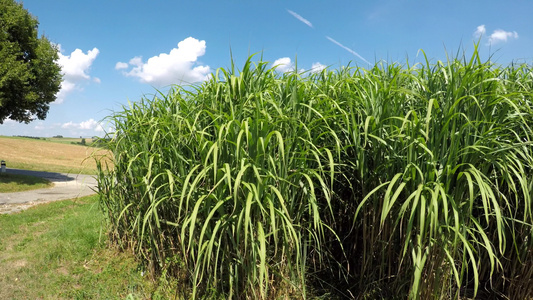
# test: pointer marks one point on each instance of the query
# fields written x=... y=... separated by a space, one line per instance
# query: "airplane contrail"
x=300 y=18
x=347 y=49
x=308 y=23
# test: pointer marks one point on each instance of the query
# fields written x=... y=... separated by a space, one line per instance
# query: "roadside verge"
x=66 y=186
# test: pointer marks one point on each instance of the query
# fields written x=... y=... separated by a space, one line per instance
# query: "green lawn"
x=59 y=251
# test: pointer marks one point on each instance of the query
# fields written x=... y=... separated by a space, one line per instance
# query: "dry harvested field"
x=48 y=156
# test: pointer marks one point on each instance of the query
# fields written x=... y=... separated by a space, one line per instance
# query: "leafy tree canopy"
x=29 y=74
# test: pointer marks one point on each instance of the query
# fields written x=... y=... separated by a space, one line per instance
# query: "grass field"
x=59 y=251
x=55 y=155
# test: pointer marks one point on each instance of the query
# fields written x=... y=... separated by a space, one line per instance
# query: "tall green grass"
x=398 y=181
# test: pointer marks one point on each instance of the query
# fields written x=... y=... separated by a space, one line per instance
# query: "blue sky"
x=115 y=51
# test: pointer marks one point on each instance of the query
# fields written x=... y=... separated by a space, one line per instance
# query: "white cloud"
x=347 y=49
x=480 y=30
x=283 y=64
x=76 y=65
x=75 y=68
x=496 y=36
x=317 y=67
x=66 y=88
x=300 y=18
x=501 y=36
x=97 y=80
x=69 y=125
x=121 y=65
x=177 y=66
x=136 y=61
x=90 y=124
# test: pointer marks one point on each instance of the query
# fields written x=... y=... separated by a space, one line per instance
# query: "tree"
x=29 y=74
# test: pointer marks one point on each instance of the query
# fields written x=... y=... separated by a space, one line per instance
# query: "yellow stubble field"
x=41 y=155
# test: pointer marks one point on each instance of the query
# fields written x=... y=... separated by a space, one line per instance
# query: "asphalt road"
x=66 y=186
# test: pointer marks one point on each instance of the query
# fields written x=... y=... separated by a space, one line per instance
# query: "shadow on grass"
x=51 y=176
x=17 y=182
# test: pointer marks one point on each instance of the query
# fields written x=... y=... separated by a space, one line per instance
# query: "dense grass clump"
x=390 y=182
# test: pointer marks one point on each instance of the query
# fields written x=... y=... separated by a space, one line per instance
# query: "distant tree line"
x=83 y=142
x=99 y=142
x=29 y=137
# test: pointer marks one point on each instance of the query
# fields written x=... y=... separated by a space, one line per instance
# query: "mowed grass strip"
x=10 y=183
x=69 y=140
x=46 y=156
x=59 y=251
